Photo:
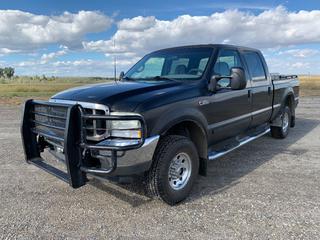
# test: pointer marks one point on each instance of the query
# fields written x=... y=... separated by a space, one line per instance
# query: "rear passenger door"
x=261 y=91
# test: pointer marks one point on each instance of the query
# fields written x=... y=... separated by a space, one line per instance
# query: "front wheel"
x=283 y=130
x=174 y=169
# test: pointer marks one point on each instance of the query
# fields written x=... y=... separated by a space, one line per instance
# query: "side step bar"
x=214 y=155
x=50 y=169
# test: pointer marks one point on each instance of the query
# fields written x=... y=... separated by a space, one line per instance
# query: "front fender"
x=174 y=116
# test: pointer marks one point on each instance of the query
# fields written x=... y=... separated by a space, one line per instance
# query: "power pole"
x=114 y=60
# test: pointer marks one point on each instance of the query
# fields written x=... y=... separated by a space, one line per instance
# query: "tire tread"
x=153 y=180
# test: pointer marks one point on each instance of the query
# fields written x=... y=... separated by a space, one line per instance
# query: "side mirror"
x=213 y=83
x=238 y=79
x=121 y=75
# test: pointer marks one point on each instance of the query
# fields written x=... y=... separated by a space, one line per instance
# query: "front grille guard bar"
x=74 y=141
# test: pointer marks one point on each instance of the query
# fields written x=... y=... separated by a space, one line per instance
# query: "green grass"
x=18 y=89
x=30 y=86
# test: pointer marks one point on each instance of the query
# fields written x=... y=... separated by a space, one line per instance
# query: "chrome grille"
x=96 y=130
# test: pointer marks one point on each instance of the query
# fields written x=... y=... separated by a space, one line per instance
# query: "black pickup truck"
x=171 y=113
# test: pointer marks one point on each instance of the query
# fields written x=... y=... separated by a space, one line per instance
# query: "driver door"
x=230 y=110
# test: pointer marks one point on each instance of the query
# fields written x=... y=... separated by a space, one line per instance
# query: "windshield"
x=179 y=63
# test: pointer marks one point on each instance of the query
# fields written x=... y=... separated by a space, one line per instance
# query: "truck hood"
x=121 y=96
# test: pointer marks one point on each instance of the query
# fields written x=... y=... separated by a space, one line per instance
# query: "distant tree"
x=8 y=72
x=1 y=72
x=44 y=78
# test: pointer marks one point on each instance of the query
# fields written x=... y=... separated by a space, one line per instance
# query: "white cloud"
x=300 y=53
x=278 y=32
x=300 y=65
x=5 y=51
x=137 y=23
x=81 y=62
x=24 y=31
x=269 y=29
x=292 y=65
x=46 y=57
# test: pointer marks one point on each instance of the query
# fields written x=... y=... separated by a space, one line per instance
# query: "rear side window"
x=255 y=66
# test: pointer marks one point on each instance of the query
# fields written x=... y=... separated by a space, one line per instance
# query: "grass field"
x=16 y=90
x=309 y=85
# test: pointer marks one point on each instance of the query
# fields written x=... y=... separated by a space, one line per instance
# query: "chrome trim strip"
x=276 y=105
x=83 y=104
x=150 y=140
x=215 y=155
x=125 y=114
x=262 y=110
x=231 y=120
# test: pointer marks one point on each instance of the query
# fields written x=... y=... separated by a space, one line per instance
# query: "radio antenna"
x=114 y=60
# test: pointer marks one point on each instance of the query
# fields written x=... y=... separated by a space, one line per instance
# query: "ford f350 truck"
x=171 y=113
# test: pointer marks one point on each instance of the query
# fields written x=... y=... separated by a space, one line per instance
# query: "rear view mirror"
x=213 y=83
x=238 y=79
x=121 y=75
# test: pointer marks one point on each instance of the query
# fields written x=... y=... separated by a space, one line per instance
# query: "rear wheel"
x=283 y=130
x=174 y=169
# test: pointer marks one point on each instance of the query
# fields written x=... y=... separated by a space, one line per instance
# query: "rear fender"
x=287 y=99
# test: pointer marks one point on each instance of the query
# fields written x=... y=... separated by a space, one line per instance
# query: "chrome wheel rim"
x=285 y=122
x=179 y=171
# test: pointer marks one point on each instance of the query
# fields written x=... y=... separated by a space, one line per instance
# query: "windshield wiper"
x=148 y=78
x=160 y=78
x=128 y=78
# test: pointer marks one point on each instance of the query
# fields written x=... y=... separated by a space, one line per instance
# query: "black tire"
x=157 y=180
x=283 y=131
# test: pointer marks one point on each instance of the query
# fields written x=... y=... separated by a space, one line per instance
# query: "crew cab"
x=164 y=119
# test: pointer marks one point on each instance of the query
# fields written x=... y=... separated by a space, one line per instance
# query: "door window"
x=226 y=60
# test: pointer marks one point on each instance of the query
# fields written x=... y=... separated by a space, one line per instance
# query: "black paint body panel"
x=221 y=114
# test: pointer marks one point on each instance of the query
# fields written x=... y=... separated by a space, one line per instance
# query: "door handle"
x=269 y=90
x=249 y=93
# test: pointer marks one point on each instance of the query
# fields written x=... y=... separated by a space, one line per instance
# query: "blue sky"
x=75 y=38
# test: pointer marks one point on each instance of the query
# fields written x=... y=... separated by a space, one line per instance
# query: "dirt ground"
x=267 y=189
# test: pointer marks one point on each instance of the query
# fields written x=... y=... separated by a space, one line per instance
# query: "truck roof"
x=211 y=46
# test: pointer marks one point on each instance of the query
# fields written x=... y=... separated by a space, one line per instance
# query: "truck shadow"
x=224 y=172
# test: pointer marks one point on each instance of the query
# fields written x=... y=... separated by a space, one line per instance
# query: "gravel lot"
x=268 y=189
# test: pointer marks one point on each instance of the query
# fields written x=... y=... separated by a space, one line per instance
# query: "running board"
x=50 y=169
x=214 y=155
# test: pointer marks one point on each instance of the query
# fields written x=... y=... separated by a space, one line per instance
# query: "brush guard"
x=47 y=124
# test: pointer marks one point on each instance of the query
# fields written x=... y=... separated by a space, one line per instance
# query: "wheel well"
x=290 y=103
x=196 y=134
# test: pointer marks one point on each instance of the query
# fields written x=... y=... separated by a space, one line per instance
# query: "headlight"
x=125 y=128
